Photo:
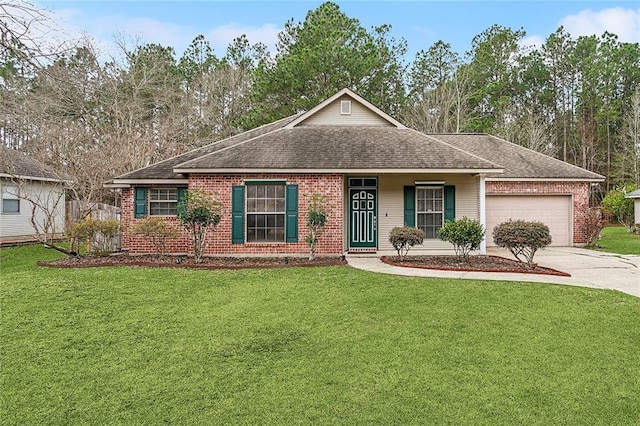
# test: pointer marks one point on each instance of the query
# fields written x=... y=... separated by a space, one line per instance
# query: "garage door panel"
x=554 y=211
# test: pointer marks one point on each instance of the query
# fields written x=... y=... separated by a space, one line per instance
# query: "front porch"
x=375 y=204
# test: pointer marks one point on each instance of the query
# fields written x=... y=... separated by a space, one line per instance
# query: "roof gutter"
x=126 y=183
x=36 y=178
x=150 y=181
x=306 y=171
x=542 y=179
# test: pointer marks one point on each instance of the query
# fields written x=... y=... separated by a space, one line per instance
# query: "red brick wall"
x=136 y=243
x=579 y=190
x=219 y=243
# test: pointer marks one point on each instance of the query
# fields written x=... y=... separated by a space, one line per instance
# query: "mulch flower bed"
x=472 y=264
x=446 y=263
x=170 y=261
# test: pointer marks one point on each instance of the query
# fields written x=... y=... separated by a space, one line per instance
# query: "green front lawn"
x=311 y=345
x=616 y=239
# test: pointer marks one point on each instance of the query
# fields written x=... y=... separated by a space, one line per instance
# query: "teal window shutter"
x=237 y=214
x=449 y=203
x=182 y=198
x=140 y=203
x=410 y=206
x=291 y=210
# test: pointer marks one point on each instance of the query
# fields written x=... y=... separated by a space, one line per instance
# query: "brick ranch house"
x=376 y=173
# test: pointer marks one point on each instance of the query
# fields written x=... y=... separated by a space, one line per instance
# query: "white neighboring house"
x=636 y=204
x=32 y=196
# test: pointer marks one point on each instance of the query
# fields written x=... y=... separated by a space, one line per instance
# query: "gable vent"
x=345 y=107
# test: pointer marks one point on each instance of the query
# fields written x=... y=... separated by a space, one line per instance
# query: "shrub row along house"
x=376 y=174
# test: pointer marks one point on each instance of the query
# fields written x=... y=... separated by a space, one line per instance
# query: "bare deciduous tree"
x=23 y=28
x=41 y=189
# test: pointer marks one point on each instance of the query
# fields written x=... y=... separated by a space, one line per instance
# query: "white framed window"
x=163 y=201
x=345 y=107
x=430 y=209
x=10 y=199
x=265 y=213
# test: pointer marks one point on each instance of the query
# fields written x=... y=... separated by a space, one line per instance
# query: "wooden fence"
x=76 y=211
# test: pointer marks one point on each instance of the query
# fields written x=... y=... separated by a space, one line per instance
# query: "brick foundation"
x=219 y=243
x=579 y=191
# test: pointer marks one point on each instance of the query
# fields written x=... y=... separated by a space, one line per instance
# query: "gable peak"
x=345 y=108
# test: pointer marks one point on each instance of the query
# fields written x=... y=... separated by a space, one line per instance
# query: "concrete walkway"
x=588 y=268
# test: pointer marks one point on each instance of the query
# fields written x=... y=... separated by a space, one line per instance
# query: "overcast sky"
x=421 y=23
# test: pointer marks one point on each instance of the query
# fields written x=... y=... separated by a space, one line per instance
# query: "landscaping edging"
x=539 y=270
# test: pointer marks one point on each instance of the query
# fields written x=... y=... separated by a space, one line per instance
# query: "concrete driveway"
x=588 y=268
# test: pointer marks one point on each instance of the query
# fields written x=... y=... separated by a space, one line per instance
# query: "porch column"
x=483 y=214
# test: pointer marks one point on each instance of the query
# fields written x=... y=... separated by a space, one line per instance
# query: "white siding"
x=18 y=225
x=391 y=204
x=331 y=116
x=636 y=206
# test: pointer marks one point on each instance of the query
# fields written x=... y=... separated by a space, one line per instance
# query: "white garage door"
x=552 y=210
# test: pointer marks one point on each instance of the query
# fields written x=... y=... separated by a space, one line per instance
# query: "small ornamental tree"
x=317 y=218
x=199 y=214
x=522 y=238
x=592 y=224
x=156 y=230
x=403 y=238
x=465 y=234
x=616 y=203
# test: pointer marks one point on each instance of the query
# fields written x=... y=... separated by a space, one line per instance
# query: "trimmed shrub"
x=522 y=238
x=465 y=234
x=98 y=234
x=156 y=230
x=404 y=237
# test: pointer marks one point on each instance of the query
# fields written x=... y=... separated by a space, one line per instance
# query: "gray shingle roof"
x=518 y=161
x=18 y=164
x=164 y=169
x=277 y=146
x=342 y=148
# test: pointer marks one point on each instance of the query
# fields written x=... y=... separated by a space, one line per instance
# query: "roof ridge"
x=455 y=133
x=459 y=149
x=545 y=155
x=228 y=138
x=239 y=143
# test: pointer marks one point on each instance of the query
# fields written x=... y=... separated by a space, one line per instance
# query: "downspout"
x=483 y=215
